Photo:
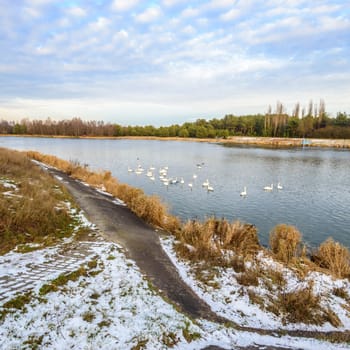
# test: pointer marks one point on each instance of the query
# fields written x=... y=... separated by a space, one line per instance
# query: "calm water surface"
x=316 y=182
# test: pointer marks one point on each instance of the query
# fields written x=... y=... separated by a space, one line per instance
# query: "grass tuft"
x=285 y=243
x=335 y=257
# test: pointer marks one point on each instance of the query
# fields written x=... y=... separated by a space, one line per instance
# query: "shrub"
x=335 y=257
x=285 y=242
x=239 y=237
x=301 y=305
x=248 y=278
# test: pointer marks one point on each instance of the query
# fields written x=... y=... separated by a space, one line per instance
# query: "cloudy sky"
x=170 y=61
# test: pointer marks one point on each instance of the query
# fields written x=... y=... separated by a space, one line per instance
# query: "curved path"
x=118 y=224
x=141 y=241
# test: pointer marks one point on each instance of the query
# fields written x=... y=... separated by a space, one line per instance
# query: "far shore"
x=277 y=142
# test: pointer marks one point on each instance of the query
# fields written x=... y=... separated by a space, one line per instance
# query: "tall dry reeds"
x=237 y=236
x=285 y=242
x=149 y=208
x=213 y=236
x=335 y=257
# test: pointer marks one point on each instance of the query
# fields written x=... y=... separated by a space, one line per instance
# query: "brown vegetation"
x=149 y=208
x=210 y=239
x=33 y=210
x=334 y=257
x=285 y=242
x=303 y=306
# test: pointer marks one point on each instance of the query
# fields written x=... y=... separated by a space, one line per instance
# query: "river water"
x=316 y=182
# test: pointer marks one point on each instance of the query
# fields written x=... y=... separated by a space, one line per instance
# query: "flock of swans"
x=163 y=177
x=268 y=188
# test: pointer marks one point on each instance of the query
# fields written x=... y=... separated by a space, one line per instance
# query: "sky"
x=171 y=61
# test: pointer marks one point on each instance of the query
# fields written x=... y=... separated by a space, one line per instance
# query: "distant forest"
x=310 y=122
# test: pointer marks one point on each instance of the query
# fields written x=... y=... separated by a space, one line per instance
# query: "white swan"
x=268 y=188
x=190 y=185
x=279 y=186
x=244 y=192
x=195 y=176
x=205 y=183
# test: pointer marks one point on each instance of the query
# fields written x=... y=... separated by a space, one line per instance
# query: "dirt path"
x=118 y=224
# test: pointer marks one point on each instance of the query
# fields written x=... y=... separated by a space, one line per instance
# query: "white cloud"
x=190 y=12
x=218 y=4
x=202 y=21
x=39 y=2
x=121 y=35
x=231 y=15
x=77 y=11
x=123 y=5
x=31 y=12
x=333 y=24
x=189 y=30
x=40 y=50
x=100 y=24
x=170 y=3
x=149 y=15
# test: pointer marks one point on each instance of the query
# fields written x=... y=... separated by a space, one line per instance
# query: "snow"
x=11 y=186
x=231 y=302
x=120 y=296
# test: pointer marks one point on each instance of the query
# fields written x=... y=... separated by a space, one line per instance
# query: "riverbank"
x=255 y=298
x=288 y=291
x=276 y=142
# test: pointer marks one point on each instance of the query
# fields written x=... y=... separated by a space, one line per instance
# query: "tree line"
x=310 y=122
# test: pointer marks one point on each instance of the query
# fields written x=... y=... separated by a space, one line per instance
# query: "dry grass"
x=285 y=243
x=237 y=236
x=34 y=213
x=335 y=257
x=197 y=241
x=209 y=239
x=303 y=306
x=272 y=279
x=249 y=278
x=341 y=292
x=149 y=208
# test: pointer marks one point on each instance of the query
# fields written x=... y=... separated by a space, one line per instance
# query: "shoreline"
x=275 y=142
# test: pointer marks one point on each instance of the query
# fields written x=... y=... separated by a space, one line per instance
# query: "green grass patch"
x=63 y=279
x=188 y=335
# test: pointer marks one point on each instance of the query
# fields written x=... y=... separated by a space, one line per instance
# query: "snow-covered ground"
x=115 y=309
x=228 y=298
